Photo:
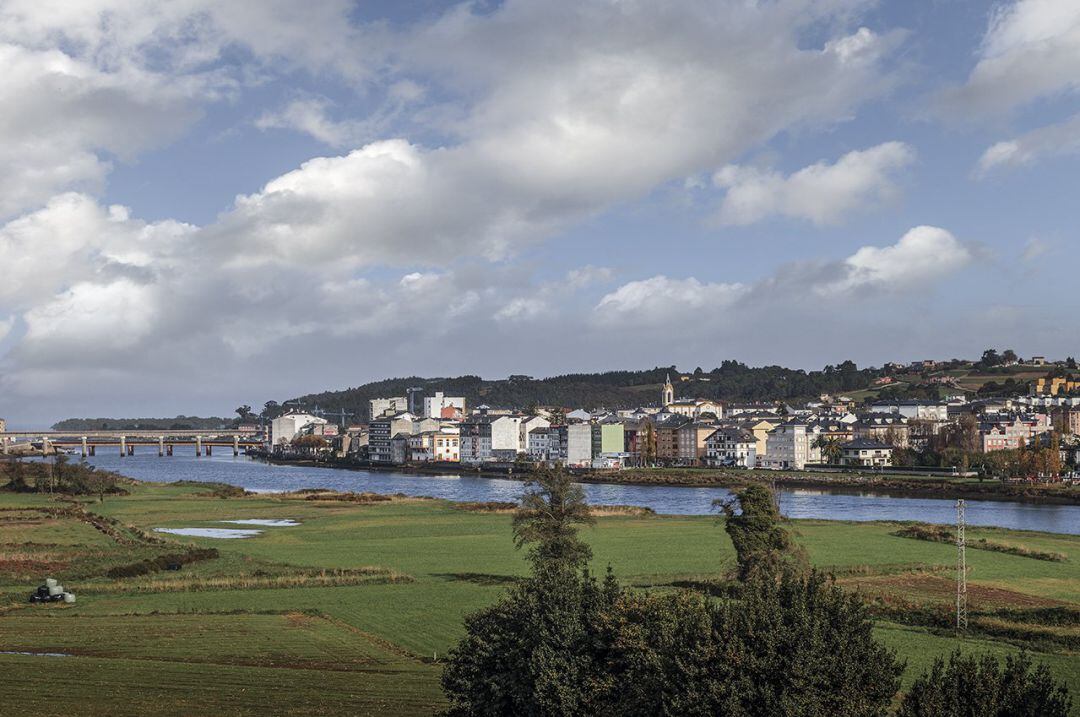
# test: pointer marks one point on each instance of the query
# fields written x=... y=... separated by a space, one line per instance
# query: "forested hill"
x=732 y=381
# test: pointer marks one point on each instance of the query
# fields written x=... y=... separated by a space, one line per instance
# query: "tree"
x=830 y=448
x=762 y=546
x=647 y=443
x=990 y=358
x=805 y=647
x=969 y=685
x=243 y=411
x=1009 y=356
x=548 y=517
x=532 y=652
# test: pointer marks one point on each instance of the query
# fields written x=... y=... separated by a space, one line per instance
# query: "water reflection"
x=797 y=503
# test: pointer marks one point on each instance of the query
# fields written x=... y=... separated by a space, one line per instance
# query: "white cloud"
x=1052 y=140
x=660 y=300
x=566 y=111
x=88 y=81
x=1031 y=50
x=73 y=239
x=548 y=113
x=43 y=149
x=821 y=193
x=922 y=257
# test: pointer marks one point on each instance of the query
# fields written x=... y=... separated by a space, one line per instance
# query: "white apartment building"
x=579 y=445
x=914 y=410
x=285 y=428
x=443 y=445
x=539 y=444
x=434 y=405
x=791 y=446
x=490 y=438
x=731 y=447
x=527 y=425
x=382 y=406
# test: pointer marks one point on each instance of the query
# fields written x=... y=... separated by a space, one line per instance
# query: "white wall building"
x=579 y=445
x=285 y=428
x=527 y=425
x=380 y=406
x=791 y=446
x=434 y=405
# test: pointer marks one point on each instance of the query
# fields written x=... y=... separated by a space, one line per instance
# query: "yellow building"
x=1056 y=386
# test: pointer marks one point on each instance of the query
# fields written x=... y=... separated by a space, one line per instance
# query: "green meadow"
x=353 y=610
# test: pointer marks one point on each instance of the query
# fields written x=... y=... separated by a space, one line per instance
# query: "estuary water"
x=796 y=503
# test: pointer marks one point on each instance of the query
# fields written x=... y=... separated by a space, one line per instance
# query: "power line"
x=961 y=568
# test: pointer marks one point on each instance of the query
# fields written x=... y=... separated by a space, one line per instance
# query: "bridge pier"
x=123 y=446
x=45 y=446
x=3 y=445
x=93 y=450
x=161 y=446
x=168 y=450
x=198 y=446
x=209 y=449
x=84 y=446
x=131 y=449
x=235 y=446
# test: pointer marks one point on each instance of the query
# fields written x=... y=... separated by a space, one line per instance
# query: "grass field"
x=352 y=610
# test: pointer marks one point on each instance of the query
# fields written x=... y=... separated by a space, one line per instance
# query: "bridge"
x=126 y=440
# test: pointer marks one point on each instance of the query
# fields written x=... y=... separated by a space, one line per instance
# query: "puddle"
x=268 y=523
x=35 y=654
x=210 y=532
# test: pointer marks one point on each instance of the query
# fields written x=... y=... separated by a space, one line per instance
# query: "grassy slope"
x=459 y=561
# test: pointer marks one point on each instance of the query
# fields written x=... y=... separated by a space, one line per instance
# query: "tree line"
x=785 y=640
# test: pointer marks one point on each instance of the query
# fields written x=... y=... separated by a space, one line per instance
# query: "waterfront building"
x=381 y=406
x=285 y=428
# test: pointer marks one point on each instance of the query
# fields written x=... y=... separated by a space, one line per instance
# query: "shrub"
x=161 y=562
x=969 y=685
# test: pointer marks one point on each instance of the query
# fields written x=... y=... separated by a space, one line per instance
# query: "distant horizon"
x=228 y=416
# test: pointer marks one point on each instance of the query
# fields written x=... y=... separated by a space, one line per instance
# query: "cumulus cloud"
x=1027 y=149
x=86 y=82
x=43 y=150
x=922 y=257
x=821 y=193
x=1030 y=51
x=660 y=300
x=545 y=114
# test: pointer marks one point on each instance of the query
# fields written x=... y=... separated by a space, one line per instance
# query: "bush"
x=161 y=562
x=969 y=685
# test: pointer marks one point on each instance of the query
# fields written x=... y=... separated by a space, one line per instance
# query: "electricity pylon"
x=961 y=569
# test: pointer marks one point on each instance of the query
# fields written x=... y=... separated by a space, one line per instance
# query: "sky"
x=205 y=203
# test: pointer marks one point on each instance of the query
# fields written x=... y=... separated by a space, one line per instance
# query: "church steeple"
x=669 y=391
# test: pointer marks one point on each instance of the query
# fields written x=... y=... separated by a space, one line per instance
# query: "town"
x=1030 y=437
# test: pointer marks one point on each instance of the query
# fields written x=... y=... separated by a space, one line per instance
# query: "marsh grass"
x=255 y=581
x=943 y=534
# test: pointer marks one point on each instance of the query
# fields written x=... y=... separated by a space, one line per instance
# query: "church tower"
x=669 y=392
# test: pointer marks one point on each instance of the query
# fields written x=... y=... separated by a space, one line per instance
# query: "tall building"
x=381 y=406
x=434 y=406
x=414 y=399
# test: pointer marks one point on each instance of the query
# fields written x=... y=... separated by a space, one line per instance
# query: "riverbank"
x=349 y=607
x=849 y=483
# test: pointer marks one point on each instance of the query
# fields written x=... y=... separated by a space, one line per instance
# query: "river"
x=796 y=503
